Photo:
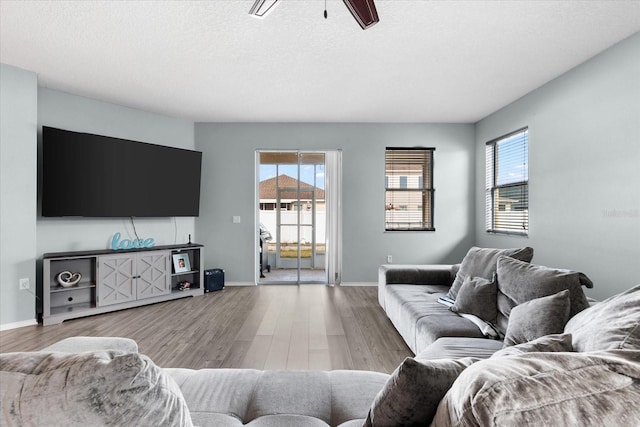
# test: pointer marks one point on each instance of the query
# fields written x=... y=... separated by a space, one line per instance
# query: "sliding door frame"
x=333 y=223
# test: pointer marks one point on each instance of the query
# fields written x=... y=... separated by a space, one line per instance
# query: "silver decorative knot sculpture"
x=67 y=278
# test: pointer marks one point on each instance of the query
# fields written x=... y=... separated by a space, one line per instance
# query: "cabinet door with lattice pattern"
x=154 y=274
x=117 y=279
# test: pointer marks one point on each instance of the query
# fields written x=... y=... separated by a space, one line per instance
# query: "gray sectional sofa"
x=409 y=295
x=586 y=374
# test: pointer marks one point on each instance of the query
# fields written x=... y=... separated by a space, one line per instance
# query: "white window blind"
x=507 y=184
x=409 y=192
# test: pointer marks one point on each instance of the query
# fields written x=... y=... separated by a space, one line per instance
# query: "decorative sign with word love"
x=117 y=244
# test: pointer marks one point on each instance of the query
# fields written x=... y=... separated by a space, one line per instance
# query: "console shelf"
x=75 y=308
x=116 y=280
x=71 y=288
x=185 y=272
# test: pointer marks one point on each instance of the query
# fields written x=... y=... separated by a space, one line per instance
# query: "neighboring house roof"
x=268 y=189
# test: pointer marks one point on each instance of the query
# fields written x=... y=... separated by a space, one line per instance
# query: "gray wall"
x=584 y=186
x=584 y=158
x=18 y=118
x=76 y=113
x=228 y=184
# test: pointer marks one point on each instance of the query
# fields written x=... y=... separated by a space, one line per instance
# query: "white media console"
x=117 y=279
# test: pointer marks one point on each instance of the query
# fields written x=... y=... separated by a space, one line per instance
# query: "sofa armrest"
x=425 y=274
x=82 y=344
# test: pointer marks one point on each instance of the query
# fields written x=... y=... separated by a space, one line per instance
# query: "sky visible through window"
x=306 y=173
x=512 y=168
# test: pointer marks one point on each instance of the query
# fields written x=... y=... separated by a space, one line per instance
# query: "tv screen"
x=98 y=176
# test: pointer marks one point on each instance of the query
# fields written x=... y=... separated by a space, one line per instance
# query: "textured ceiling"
x=209 y=61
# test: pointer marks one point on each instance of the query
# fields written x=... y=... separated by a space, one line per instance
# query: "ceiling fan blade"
x=364 y=11
x=261 y=8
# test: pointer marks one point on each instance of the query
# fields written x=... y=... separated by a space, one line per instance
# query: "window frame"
x=492 y=186
x=426 y=189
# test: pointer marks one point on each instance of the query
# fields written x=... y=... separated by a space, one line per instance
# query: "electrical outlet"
x=236 y=219
x=24 y=284
x=389 y=259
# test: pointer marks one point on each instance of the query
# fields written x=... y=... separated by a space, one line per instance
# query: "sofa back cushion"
x=481 y=262
x=107 y=388
x=611 y=324
x=519 y=282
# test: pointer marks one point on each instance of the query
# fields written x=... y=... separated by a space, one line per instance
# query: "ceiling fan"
x=364 y=11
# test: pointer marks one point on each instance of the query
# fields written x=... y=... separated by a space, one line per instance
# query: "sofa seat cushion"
x=439 y=322
x=577 y=389
x=228 y=397
x=287 y=420
x=437 y=275
x=421 y=319
x=276 y=420
x=415 y=292
x=459 y=347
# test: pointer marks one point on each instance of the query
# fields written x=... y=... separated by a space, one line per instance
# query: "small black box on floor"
x=213 y=279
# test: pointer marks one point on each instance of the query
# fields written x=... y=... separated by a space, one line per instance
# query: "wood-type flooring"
x=262 y=327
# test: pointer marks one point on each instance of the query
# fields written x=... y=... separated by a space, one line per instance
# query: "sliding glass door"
x=292 y=217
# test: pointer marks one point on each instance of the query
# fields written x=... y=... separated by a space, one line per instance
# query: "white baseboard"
x=341 y=284
x=15 y=325
x=359 y=284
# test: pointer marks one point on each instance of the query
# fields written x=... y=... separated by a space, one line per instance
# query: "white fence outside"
x=289 y=233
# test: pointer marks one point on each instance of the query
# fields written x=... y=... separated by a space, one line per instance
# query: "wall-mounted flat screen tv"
x=90 y=175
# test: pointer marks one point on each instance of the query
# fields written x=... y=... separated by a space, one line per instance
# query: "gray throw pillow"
x=548 y=343
x=519 y=282
x=413 y=391
x=481 y=262
x=611 y=324
x=106 y=388
x=537 y=318
x=477 y=296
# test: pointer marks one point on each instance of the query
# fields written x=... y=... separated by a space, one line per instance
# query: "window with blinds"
x=507 y=184
x=409 y=192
